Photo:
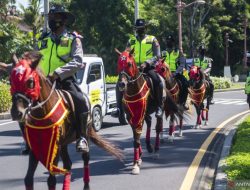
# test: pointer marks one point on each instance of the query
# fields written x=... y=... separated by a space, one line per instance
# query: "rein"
x=130 y=80
x=39 y=104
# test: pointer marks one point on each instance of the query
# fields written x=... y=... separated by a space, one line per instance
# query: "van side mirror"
x=91 y=78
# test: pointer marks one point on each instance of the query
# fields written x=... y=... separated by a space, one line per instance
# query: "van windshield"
x=79 y=75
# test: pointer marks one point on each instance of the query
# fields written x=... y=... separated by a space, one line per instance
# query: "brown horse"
x=139 y=103
x=49 y=123
x=199 y=91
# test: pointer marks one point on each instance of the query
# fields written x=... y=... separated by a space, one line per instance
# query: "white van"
x=102 y=96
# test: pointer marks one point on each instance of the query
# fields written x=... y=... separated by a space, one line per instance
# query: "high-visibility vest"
x=247 y=86
x=54 y=56
x=143 y=49
x=203 y=64
x=171 y=59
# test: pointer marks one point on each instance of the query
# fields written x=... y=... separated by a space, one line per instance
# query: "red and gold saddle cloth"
x=43 y=135
x=136 y=105
x=197 y=95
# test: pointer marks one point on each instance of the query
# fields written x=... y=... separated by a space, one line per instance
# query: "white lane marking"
x=7 y=123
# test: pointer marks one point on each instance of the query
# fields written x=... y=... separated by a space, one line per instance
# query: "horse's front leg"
x=29 y=178
x=206 y=112
x=137 y=150
x=198 y=121
x=180 y=128
x=67 y=164
x=86 y=178
x=51 y=181
x=171 y=129
x=159 y=128
x=149 y=146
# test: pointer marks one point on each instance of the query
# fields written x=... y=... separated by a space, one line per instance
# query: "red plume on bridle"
x=25 y=80
x=126 y=63
x=194 y=73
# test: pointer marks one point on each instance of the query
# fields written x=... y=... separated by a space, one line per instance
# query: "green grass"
x=238 y=162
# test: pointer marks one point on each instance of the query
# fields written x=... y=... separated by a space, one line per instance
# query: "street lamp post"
x=180 y=6
x=136 y=9
x=46 y=11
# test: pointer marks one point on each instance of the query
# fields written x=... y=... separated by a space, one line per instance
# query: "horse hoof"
x=206 y=123
x=139 y=162
x=86 y=187
x=136 y=170
x=149 y=148
x=171 y=139
x=156 y=156
x=180 y=134
x=162 y=141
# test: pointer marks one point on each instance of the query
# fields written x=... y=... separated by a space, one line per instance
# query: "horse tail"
x=172 y=107
x=106 y=145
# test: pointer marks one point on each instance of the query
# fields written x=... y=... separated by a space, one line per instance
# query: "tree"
x=105 y=24
x=32 y=17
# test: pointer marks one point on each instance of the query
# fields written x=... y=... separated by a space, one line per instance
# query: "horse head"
x=195 y=76
x=127 y=69
x=25 y=85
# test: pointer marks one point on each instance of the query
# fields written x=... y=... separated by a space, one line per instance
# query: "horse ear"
x=117 y=51
x=35 y=56
x=14 y=60
x=132 y=52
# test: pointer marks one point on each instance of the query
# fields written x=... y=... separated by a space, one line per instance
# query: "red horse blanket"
x=197 y=95
x=43 y=135
x=136 y=105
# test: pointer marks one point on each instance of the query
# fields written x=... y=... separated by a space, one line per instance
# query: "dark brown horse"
x=139 y=103
x=175 y=88
x=40 y=105
x=199 y=91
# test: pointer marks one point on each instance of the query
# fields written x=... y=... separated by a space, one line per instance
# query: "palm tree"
x=33 y=17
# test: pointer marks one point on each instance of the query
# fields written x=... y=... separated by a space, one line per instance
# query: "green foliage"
x=5 y=97
x=111 y=79
x=105 y=24
x=238 y=162
x=221 y=82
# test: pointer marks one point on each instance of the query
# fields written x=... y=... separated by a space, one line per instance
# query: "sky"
x=23 y=2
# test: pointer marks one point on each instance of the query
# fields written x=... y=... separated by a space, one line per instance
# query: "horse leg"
x=149 y=146
x=171 y=128
x=137 y=151
x=67 y=164
x=180 y=128
x=29 y=178
x=86 y=178
x=206 y=111
x=159 y=126
x=198 y=121
x=51 y=181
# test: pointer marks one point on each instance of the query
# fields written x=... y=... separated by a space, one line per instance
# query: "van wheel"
x=97 y=118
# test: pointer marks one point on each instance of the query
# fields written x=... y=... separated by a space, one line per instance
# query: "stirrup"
x=82 y=145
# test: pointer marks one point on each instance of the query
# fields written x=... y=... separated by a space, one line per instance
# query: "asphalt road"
x=165 y=173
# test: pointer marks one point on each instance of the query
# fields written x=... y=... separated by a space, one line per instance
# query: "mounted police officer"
x=62 y=58
x=147 y=53
x=206 y=65
x=176 y=64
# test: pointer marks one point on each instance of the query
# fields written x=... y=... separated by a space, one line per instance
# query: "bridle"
x=129 y=78
x=30 y=108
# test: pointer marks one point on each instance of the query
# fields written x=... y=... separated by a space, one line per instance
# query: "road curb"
x=5 y=116
x=225 y=90
x=220 y=182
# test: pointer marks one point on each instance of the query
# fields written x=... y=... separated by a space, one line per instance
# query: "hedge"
x=5 y=97
x=219 y=82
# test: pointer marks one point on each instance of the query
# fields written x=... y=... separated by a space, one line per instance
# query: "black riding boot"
x=81 y=134
x=160 y=103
